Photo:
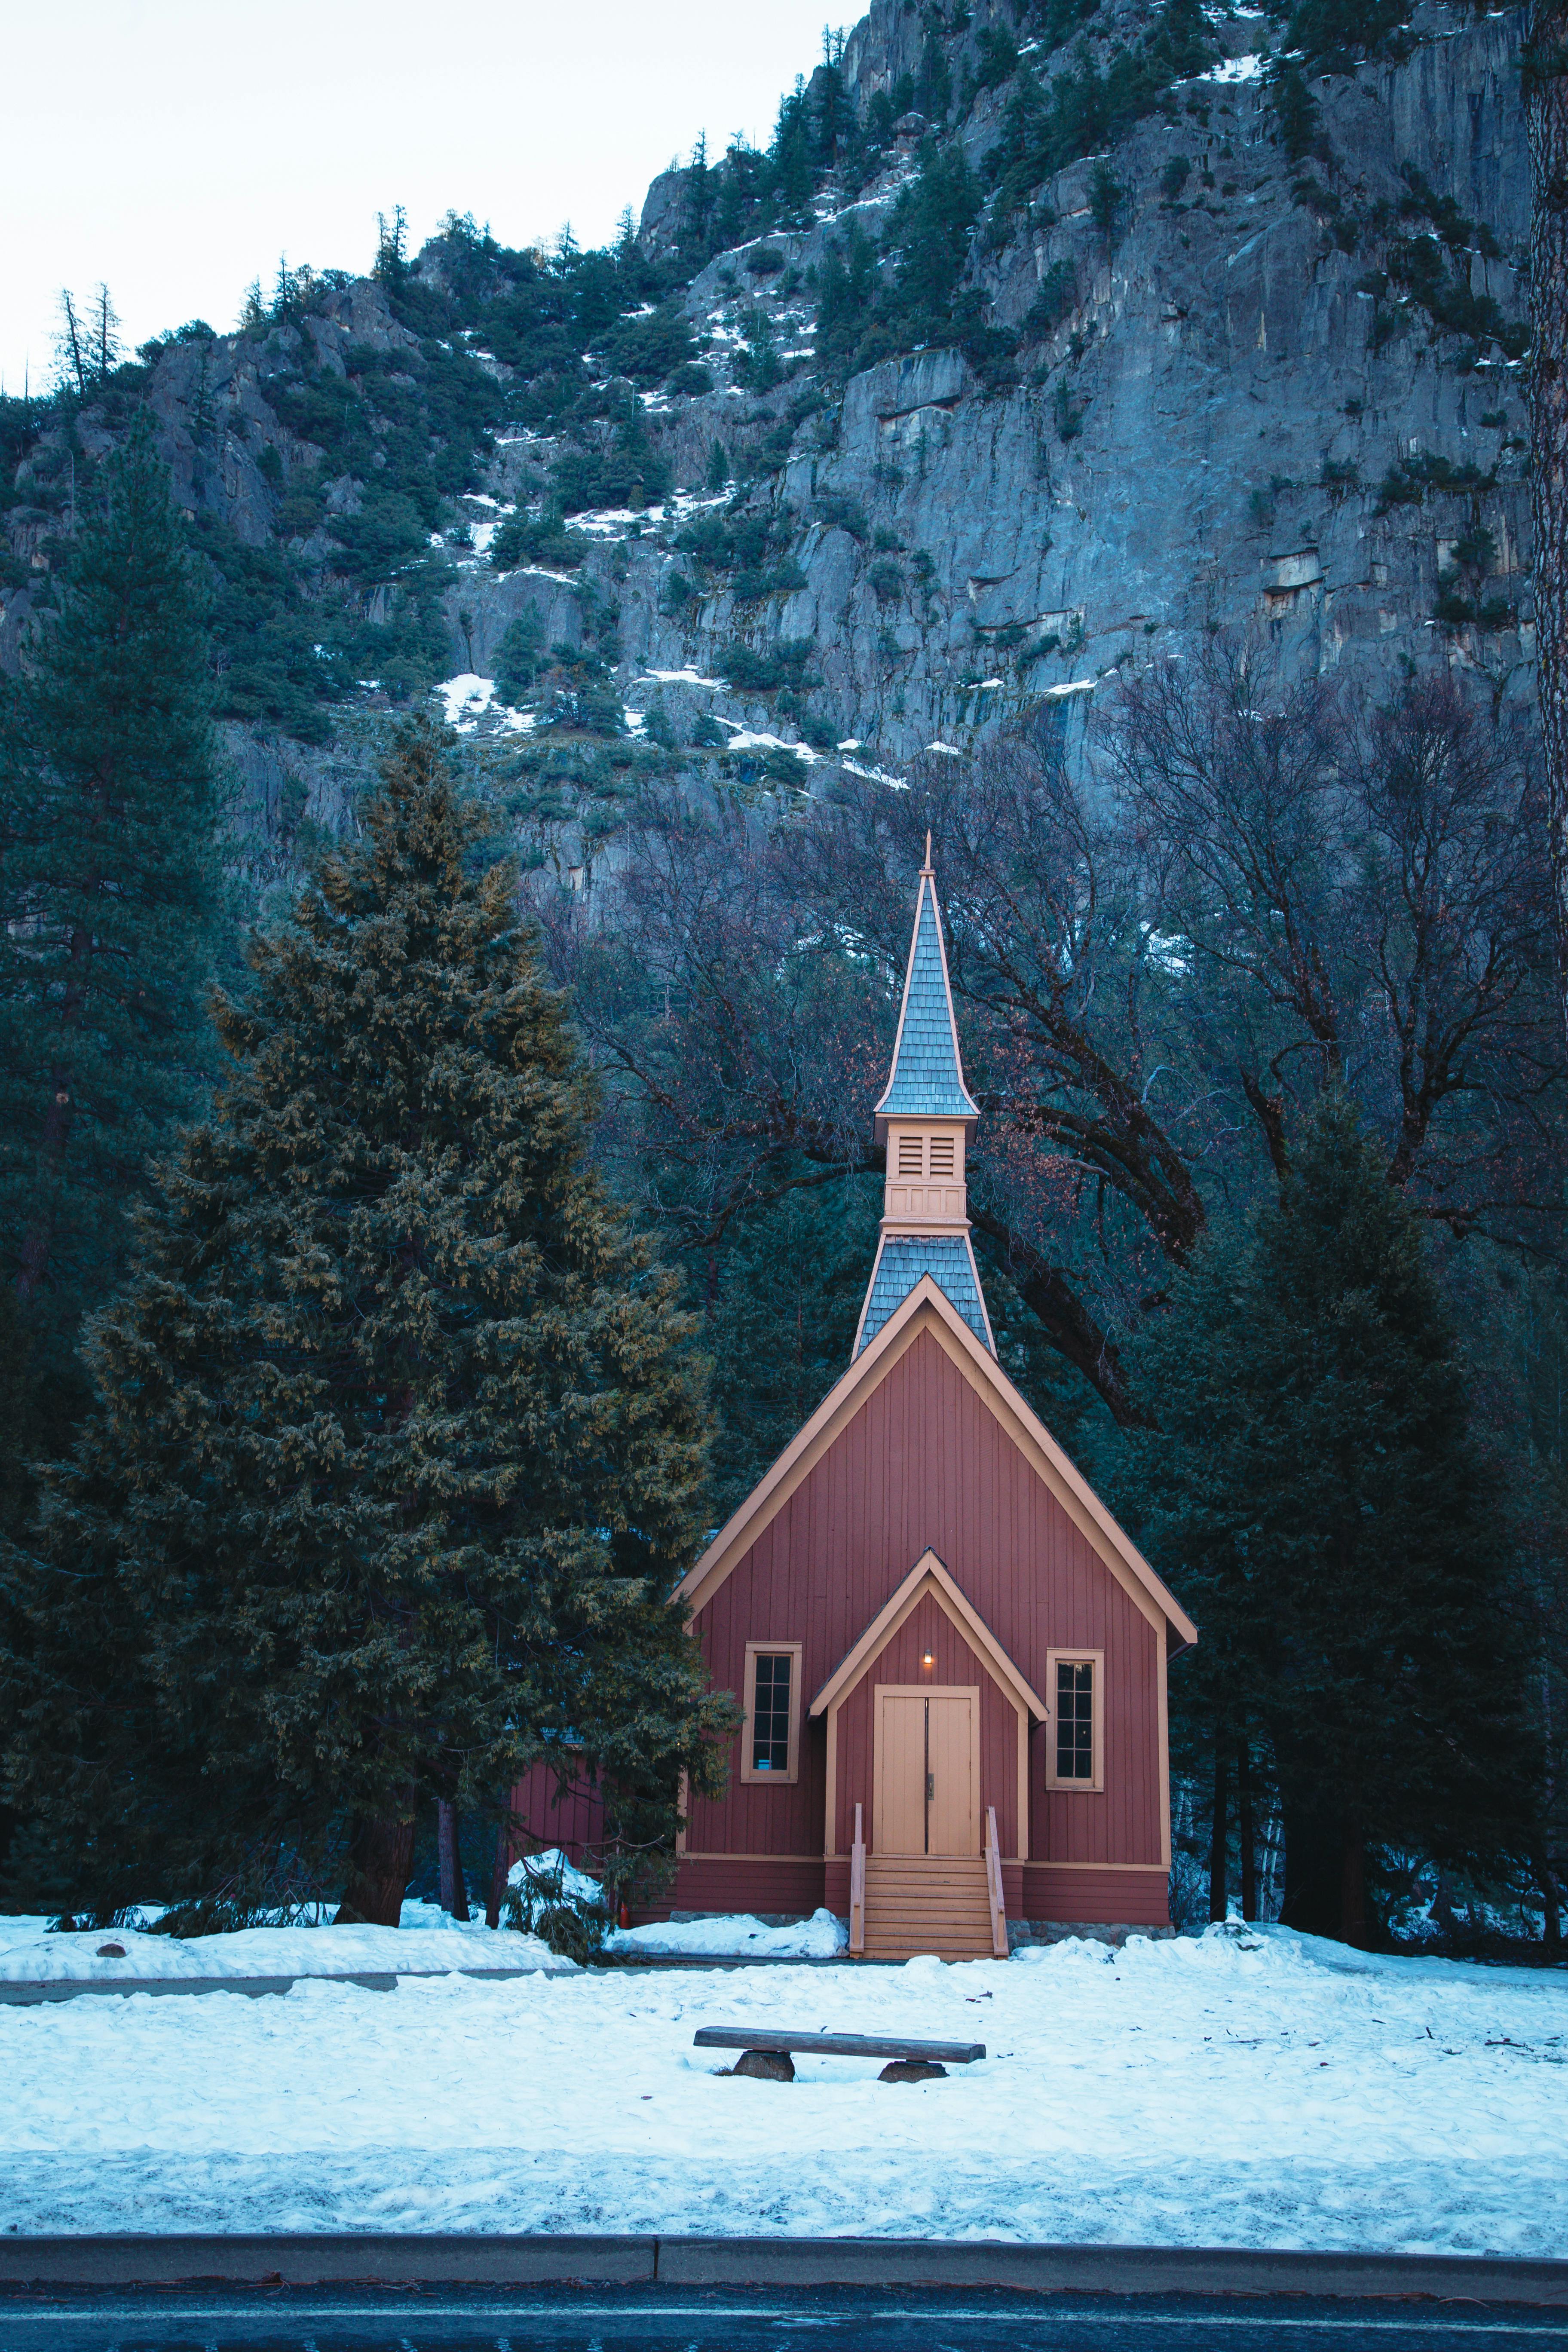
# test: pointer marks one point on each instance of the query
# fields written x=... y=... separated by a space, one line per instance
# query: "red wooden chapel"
x=952 y=1660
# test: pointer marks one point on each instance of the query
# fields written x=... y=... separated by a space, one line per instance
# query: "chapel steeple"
x=925 y=1119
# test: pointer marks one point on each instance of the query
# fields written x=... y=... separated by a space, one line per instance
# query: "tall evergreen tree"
x=1312 y=1492
x=108 y=894
x=400 y=1445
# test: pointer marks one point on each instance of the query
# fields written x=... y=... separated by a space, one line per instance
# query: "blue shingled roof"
x=926 y=1080
x=901 y=1262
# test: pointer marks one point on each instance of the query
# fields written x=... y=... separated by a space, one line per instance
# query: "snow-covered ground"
x=818 y=1938
x=1243 y=2089
x=427 y=1939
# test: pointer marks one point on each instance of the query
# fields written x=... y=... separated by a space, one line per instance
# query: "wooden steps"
x=915 y=1904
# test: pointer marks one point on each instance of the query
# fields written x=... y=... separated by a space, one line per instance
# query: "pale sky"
x=176 y=148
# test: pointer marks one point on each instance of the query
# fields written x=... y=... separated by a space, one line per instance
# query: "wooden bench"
x=771 y=2056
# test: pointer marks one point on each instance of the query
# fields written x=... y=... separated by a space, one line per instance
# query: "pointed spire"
x=925 y=1118
x=926 y=1080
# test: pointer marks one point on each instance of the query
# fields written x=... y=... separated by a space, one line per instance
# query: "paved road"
x=718 y=2320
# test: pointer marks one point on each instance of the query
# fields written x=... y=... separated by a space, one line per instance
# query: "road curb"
x=28 y=1993
x=369 y=2259
x=31 y=1992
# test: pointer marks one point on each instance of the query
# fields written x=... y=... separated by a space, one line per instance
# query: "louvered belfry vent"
x=924 y=1117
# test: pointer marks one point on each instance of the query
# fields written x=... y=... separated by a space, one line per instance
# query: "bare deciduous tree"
x=1252 y=893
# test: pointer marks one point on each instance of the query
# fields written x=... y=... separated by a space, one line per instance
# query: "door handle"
x=931 y=1786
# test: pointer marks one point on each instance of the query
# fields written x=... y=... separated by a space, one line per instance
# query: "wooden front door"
x=927 y=1771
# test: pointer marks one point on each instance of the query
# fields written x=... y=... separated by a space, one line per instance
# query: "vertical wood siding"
x=793 y=1888
x=574 y=1821
x=924 y=1462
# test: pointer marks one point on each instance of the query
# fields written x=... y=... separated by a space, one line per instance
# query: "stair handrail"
x=857 y=1891
x=993 y=1887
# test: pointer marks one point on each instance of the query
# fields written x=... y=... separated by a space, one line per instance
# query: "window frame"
x=1071 y=1657
x=749 y=1772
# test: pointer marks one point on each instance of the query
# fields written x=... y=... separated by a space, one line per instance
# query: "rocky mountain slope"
x=1045 y=338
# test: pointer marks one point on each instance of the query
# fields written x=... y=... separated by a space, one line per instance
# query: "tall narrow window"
x=1075 y=1722
x=771 y=1739
x=770 y=1716
x=1074 y=1759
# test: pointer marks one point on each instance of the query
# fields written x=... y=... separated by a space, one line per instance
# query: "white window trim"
x=1095 y=1658
x=755 y=1650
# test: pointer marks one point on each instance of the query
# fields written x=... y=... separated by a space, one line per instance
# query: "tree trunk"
x=448 y=1852
x=498 y=1876
x=40 y=1238
x=1220 y=1831
x=1546 y=121
x=381 y=1855
x=1314 y=1874
x=1352 y=1889
x=1247 y=1833
x=1551 y=1903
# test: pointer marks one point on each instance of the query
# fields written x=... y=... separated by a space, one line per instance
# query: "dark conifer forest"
x=468 y=736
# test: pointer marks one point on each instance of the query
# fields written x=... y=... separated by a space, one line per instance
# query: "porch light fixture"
x=928 y=1660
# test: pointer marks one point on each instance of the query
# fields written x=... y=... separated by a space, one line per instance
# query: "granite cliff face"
x=1219 y=432
x=1231 y=376
x=1234 y=425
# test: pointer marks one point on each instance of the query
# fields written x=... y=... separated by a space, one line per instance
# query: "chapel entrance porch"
x=927 y=1723
x=925 y=1881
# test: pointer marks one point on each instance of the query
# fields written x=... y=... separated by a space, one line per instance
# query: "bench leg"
x=765 y=2065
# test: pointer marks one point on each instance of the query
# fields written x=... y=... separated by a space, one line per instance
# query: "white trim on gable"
x=928 y=1310
x=929 y=1574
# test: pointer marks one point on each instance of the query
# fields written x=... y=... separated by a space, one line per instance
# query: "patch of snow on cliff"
x=691 y=502
x=466 y=699
x=610 y=522
x=745 y=739
x=1233 y=69
x=875 y=776
x=684 y=677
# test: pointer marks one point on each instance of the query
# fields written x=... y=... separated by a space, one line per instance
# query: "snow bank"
x=817 y=1938
x=427 y=1939
x=1242 y=2089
